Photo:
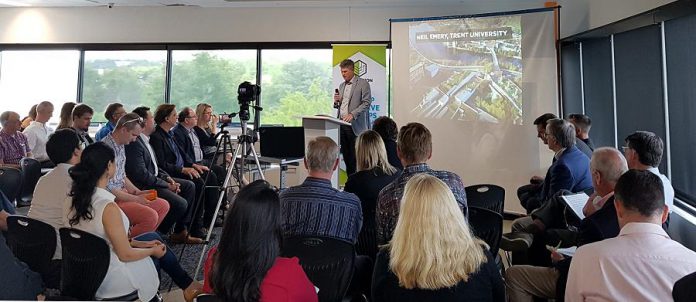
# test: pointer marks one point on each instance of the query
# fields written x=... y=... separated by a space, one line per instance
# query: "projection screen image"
x=478 y=83
x=467 y=69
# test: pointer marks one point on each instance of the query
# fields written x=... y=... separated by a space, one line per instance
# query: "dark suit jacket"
x=571 y=171
x=140 y=169
x=589 y=143
x=685 y=288
x=181 y=137
x=601 y=225
x=393 y=158
x=166 y=158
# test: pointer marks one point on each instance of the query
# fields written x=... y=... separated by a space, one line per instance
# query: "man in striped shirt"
x=13 y=144
x=315 y=208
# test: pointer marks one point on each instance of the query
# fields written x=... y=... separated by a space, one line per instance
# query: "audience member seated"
x=432 y=255
x=206 y=129
x=145 y=212
x=643 y=152
x=415 y=148
x=185 y=136
x=134 y=264
x=315 y=208
x=81 y=119
x=246 y=265
x=29 y=118
x=37 y=133
x=52 y=189
x=171 y=159
x=66 y=115
x=113 y=113
x=18 y=282
x=525 y=281
x=582 y=124
x=13 y=144
x=529 y=194
x=374 y=173
x=642 y=263
x=685 y=289
x=570 y=171
x=142 y=170
x=386 y=127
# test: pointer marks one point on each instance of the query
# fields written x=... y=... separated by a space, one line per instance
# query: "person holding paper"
x=353 y=99
x=525 y=281
x=642 y=263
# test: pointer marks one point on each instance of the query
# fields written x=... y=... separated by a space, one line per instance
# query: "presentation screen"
x=478 y=82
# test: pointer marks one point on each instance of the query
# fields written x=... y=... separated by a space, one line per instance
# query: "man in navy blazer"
x=143 y=171
x=571 y=168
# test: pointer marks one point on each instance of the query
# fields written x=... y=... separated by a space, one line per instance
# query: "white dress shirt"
x=37 y=137
x=667 y=186
x=49 y=195
x=641 y=264
x=347 y=92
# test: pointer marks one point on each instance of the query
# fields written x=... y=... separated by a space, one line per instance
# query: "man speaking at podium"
x=352 y=99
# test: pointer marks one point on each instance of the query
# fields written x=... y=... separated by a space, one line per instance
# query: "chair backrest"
x=10 y=182
x=207 y=298
x=328 y=262
x=85 y=263
x=487 y=226
x=33 y=242
x=486 y=196
x=31 y=172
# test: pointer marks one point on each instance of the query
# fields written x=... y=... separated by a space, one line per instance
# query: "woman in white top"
x=134 y=264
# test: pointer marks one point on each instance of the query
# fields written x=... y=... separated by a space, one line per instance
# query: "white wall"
x=190 y=24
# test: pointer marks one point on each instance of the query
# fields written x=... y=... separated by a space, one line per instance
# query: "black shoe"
x=218 y=222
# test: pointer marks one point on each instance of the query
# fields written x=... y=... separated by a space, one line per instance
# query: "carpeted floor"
x=189 y=259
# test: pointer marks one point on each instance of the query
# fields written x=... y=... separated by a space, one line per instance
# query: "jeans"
x=168 y=263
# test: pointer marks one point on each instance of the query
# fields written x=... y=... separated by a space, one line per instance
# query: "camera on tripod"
x=247 y=93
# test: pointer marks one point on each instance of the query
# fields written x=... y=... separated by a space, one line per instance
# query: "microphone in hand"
x=337 y=100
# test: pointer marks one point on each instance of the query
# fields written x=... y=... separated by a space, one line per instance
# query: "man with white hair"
x=523 y=282
x=315 y=208
x=37 y=133
x=13 y=144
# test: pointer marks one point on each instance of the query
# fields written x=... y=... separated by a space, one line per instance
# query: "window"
x=132 y=78
x=30 y=77
x=211 y=76
x=295 y=83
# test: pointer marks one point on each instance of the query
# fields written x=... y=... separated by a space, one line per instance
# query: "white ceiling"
x=245 y=3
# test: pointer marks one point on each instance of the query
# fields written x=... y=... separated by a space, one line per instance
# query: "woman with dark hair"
x=29 y=118
x=386 y=127
x=246 y=266
x=134 y=264
x=66 y=115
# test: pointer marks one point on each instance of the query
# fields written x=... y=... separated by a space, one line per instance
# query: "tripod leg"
x=228 y=176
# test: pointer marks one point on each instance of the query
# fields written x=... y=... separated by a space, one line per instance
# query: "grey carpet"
x=189 y=260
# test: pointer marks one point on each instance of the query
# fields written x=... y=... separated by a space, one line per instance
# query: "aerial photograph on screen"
x=467 y=69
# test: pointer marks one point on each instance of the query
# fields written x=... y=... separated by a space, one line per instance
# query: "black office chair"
x=487 y=225
x=486 y=196
x=10 y=182
x=85 y=262
x=329 y=263
x=34 y=243
x=31 y=172
x=685 y=288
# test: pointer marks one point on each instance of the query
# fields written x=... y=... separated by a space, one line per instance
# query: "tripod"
x=245 y=144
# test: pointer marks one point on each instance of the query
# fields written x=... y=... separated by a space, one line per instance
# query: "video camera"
x=246 y=94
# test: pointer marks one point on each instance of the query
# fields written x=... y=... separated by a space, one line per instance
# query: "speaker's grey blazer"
x=359 y=106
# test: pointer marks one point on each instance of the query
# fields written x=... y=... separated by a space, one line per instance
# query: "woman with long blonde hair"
x=374 y=173
x=433 y=256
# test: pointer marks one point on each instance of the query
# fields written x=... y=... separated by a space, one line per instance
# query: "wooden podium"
x=321 y=125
